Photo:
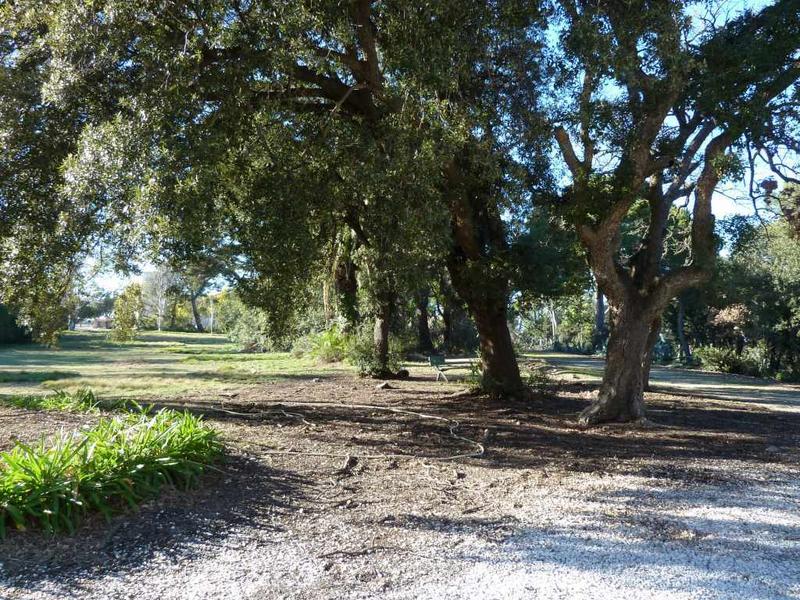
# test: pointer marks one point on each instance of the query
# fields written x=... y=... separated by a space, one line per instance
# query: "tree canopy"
x=312 y=141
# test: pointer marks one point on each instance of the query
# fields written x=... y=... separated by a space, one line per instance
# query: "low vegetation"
x=750 y=361
x=119 y=462
x=82 y=400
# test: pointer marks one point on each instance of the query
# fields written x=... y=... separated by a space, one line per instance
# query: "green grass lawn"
x=156 y=365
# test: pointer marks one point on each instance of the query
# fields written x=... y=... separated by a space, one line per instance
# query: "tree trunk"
x=685 y=352
x=380 y=339
x=424 y=341
x=173 y=314
x=500 y=370
x=600 y=329
x=553 y=324
x=447 y=327
x=655 y=329
x=621 y=395
x=198 y=322
x=479 y=271
x=346 y=285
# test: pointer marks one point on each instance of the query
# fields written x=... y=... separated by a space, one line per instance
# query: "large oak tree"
x=659 y=106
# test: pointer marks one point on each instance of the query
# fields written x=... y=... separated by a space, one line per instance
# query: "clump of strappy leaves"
x=119 y=462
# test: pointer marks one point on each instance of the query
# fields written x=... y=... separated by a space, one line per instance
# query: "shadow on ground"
x=539 y=433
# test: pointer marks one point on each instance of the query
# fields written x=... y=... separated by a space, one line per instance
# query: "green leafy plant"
x=330 y=345
x=82 y=400
x=128 y=309
x=119 y=462
x=538 y=376
x=474 y=379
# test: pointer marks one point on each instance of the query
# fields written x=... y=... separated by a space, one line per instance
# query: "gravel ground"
x=710 y=512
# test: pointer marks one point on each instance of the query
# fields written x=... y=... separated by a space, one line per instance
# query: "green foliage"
x=82 y=400
x=10 y=330
x=249 y=328
x=331 y=345
x=120 y=461
x=537 y=376
x=562 y=324
x=128 y=309
x=753 y=361
x=547 y=260
x=474 y=379
x=361 y=354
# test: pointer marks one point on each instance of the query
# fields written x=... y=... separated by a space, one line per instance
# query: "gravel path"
x=587 y=536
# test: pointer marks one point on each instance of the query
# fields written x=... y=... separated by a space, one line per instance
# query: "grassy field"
x=157 y=365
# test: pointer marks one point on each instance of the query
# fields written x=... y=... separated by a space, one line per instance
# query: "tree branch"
x=568 y=152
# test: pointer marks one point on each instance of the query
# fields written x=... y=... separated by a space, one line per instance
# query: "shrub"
x=127 y=311
x=120 y=461
x=250 y=330
x=330 y=345
x=361 y=353
x=753 y=361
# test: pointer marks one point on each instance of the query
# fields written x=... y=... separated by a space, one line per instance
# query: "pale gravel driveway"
x=588 y=536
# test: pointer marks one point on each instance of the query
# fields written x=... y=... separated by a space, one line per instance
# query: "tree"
x=790 y=205
x=157 y=288
x=372 y=102
x=127 y=311
x=682 y=99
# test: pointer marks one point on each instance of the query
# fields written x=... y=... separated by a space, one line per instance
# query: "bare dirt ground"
x=29 y=427
x=335 y=489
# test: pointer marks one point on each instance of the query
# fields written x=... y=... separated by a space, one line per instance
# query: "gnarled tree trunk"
x=487 y=303
x=477 y=272
x=500 y=369
x=621 y=395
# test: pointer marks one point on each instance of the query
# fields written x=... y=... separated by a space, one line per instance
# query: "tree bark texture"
x=621 y=395
x=198 y=322
x=424 y=341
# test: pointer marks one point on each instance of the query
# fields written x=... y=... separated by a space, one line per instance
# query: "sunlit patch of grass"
x=120 y=461
x=233 y=357
x=582 y=371
x=155 y=366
